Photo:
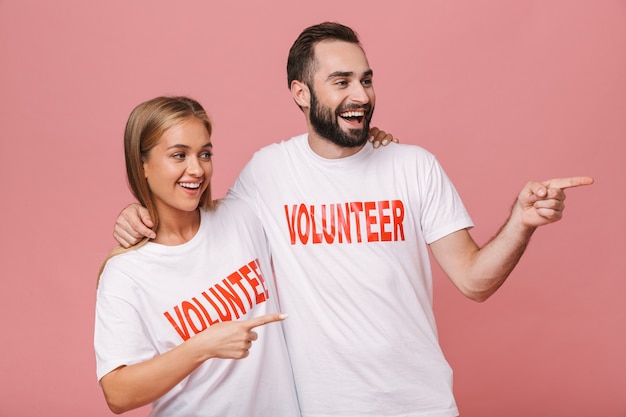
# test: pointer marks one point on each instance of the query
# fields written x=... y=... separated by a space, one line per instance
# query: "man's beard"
x=327 y=126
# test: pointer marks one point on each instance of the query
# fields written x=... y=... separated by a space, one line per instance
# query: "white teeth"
x=353 y=114
x=189 y=184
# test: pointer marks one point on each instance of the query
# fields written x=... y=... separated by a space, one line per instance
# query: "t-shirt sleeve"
x=245 y=187
x=443 y=211
x=119 y=333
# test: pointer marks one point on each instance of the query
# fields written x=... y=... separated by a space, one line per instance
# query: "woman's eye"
x=206 y=155
x=178 y=156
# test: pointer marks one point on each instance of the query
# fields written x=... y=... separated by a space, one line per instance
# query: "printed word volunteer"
x=357 y=221
x=234 y=296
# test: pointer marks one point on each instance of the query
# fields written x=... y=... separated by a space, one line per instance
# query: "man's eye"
x=367 y=82
x=341 y=83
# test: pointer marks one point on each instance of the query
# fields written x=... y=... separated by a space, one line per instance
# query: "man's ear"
x=301 y=94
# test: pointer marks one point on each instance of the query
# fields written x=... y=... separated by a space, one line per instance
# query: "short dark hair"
x=301 y=60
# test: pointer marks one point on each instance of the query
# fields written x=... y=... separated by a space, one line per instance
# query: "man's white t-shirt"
x=153 y=298
x=349 y=241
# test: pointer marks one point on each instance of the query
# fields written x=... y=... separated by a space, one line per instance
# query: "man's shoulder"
x=232 y=208
x=284 y=144
x=275 y=150
x=403 y=150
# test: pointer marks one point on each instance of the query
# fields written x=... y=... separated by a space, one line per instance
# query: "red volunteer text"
x=232 y=297
x=358 y=221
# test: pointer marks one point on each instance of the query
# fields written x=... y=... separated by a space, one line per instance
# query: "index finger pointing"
x=564 y=183
x=265 y=319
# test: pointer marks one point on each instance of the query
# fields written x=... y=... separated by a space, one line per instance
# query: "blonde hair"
x=145 y=126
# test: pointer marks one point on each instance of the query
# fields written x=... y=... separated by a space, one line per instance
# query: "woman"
x=176 y=316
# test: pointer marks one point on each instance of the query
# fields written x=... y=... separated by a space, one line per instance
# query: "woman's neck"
x=177 y=228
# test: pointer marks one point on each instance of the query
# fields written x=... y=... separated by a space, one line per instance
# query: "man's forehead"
x=339 y=57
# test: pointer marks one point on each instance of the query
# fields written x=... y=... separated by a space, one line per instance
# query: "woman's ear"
x=145 y=167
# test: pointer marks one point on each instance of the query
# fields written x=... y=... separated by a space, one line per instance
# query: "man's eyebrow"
x=340 y=74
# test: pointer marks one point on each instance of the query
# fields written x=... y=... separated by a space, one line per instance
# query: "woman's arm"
x=128 y=387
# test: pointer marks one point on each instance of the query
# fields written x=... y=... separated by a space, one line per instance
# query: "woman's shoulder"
x=119 y=270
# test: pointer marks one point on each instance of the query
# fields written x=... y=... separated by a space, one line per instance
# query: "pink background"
x=502 y=91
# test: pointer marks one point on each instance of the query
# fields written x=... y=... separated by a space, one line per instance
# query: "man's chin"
x=356 y=143
x=344 y=137
x=358 y=137
x=353 y=138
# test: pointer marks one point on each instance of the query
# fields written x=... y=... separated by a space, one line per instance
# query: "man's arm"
x=133 y=223
x=479 y=272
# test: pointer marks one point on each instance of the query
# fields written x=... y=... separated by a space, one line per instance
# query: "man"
x=349 y=228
